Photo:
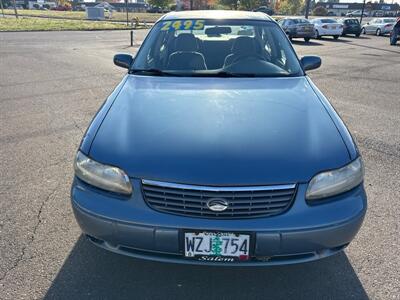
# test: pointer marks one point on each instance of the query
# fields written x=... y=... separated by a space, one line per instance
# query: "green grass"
x=39 y=24
x=116 y=16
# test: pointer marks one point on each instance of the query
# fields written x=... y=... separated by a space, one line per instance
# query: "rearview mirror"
x=310 y=62
x=218 y=30
x=123 y=60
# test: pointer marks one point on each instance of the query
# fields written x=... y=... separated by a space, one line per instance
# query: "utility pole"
x=362 y=13
x=2 y=8
x=307 y=8
x=15 y=9
x=127 y=14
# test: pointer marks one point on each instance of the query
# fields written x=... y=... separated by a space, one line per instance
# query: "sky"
x=360 y=1
x=351 y=1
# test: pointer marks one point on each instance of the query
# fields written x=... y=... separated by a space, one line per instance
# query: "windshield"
x=352 y=21
x=197 y=47
x=328 y=21
x=389 y=20
x=300 y=21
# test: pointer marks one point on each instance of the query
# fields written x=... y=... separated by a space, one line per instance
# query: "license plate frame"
x=223 y=257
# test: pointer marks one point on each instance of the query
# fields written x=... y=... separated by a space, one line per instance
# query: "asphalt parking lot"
x=51 y=85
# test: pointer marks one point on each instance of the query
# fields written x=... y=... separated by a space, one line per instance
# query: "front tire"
x=363 y=31
x=335 y=37
x=316 y=34
x=358 y=34
x=378 y=32
x=306 y=39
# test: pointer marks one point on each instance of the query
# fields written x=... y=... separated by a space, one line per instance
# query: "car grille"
x=243 y=202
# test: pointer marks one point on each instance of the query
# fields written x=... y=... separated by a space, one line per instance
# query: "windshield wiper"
x=221 y=73
x=230 y=74
x=201 y=73
x=154 y=72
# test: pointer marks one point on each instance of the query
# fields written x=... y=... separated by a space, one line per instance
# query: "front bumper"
x=304 y=233
x=301 y=34
x=351 y=30
x=387 y=30
x=329 y=32
x=309 y=34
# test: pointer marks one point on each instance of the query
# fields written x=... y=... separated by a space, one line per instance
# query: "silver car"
x=379 y=26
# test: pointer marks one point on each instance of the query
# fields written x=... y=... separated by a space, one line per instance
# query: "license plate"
x=217 y=246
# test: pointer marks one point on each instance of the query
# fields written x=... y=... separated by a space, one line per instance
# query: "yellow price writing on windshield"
x=183 y=25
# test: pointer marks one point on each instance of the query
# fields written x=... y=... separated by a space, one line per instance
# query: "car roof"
x=216 y=14
x=294 y=18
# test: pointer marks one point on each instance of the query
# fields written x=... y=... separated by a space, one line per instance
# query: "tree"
x=15 y=9
x=63 y=2
x=201 y=4
x=251 y=4
x=2 y=8
x=320 y=11
x=229 y=3
x=244 y=4
x=160 y=3
x=291 y=7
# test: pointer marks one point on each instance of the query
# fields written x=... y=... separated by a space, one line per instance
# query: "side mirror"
x=368 y=23
x=123 y=60
x=310 y=62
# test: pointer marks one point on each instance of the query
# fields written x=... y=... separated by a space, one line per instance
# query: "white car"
x=326 y=26
x=356 y=13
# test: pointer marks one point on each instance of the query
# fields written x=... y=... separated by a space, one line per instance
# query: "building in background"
x=137 y=6
x=34 y=4
x=371 y=9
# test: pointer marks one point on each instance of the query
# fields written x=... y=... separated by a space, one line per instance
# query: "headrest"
x=186 y=42
x=243 y=45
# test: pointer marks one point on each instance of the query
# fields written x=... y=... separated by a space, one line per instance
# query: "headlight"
x=102 y=176
x=334 y=182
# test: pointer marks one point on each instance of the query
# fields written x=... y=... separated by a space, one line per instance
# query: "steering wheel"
x=253 y=56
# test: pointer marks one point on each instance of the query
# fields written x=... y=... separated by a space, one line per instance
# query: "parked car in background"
x=350 y=26
x=379 y=13
x=297 y=28
x=389 y=14
x=356 y=13
x=331 y=14
x=327 y=27
x=62 y=8
x=266 y=10
x=379 y=26
x=154 y=10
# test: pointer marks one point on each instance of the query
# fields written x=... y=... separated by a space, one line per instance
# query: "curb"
x=55 y=30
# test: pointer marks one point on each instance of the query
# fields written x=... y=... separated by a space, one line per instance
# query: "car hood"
x=219 y=131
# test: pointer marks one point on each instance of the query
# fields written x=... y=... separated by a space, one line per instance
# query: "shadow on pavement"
x=339 y=40
x=303 y=43
x=90 y=272
x=361 y=37
x=380 y=49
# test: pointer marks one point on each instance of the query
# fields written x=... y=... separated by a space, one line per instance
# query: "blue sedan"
x=216 y=148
